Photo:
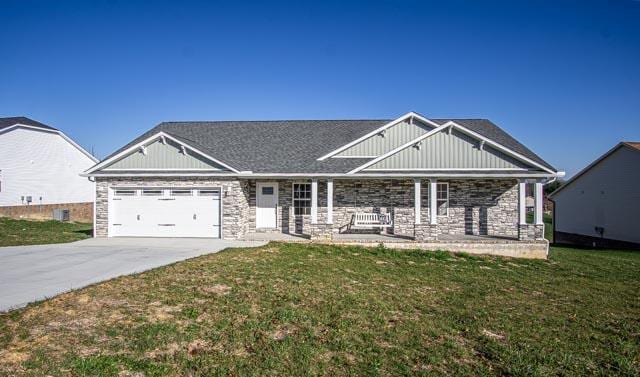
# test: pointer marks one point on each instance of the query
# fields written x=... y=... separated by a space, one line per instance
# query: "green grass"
x=26 y=232
x=327 y=310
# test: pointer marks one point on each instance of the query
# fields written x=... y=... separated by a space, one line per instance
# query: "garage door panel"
x=166 y=216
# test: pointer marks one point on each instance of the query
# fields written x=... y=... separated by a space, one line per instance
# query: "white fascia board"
x=398 y=149
x=158 y=135
x=378 y=130
x=443 y=174
x=62 y=134
x=501 y=147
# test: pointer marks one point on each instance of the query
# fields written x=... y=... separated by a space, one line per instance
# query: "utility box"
x=61 y=214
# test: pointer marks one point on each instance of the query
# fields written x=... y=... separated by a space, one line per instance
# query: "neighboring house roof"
x=9 y=123
x=294 y=146
x=12 y=121
x=634 y=145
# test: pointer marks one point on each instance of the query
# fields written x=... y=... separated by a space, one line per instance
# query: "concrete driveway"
x=31 y=273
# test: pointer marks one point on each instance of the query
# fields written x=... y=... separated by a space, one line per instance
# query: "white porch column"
x=538 y=204
x=433 y=196
x=522 y=204
x=314 y=201
x=329 y=201
x=416 y=200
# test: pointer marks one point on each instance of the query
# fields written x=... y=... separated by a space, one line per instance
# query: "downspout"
x=93 y=179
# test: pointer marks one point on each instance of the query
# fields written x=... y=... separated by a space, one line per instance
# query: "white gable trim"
x=450 y=125
x=159 y=135
x=398 y=149
x=65 y=137
x=381 y=129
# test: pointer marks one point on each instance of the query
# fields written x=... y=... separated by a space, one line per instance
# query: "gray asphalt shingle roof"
x=10 y=121
x=293 y=146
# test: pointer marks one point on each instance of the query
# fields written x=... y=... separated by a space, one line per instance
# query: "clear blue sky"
x=561 y=76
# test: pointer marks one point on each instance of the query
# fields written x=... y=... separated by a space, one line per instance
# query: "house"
x=40 y=165
x=411 y=178
x=598 y=207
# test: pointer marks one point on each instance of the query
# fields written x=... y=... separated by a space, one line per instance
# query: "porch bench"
x=363 y=220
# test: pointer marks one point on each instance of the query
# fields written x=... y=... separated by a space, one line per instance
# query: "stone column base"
x=320 y=232
x=528 y=232
x=425 y=232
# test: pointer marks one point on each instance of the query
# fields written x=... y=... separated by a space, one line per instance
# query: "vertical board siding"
x=449 y=151
x=43 y=165
x=607 y=196
x=394 y=137
x=163 y=156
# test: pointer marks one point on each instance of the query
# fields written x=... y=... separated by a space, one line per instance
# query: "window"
x=301 y=199
x=442 y=199
x=208 y=192
x=122 y=192
x=180 y=192
x=151 y=192
x=268 y=190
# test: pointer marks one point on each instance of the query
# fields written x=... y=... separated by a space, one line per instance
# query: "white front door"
x=266 y=204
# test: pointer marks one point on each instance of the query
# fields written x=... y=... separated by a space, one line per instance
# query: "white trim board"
x=53 y=131
x=153 y=137
x=442 y=174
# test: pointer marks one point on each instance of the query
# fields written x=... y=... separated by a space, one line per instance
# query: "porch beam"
x=329 y=201
x=314 y=201
x=416 y=200
x=522 y=204
x=538 y=197
x=433 y=196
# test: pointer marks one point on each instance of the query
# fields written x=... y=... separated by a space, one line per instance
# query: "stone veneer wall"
x=476 y=206
x=481 y=207
x=235 y=199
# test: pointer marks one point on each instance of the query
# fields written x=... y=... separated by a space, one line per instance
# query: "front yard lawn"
x=26 y=232
x=319 y=309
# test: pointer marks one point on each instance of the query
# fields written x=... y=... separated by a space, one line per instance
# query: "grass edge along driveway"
x=29 y=232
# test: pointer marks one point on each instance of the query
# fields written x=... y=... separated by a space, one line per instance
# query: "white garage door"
x=162 y=212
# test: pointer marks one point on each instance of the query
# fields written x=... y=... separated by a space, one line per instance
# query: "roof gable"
x=163 y=154
x=387 y=139
x=12 y=121
x=448 y=150
x=297 y=146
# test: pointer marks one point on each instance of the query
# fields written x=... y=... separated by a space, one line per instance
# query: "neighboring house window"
x=301 y=198
x=442 y=199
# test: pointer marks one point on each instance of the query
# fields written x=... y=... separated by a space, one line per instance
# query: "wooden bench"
x=371 y=220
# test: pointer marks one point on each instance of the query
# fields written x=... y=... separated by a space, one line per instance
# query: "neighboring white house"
x=599 y=206
x=41 y=165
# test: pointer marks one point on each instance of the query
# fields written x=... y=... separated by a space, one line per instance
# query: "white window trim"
x=293 y=199
x=440 y=200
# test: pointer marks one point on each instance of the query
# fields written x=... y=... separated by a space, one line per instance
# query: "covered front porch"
x=464 y=209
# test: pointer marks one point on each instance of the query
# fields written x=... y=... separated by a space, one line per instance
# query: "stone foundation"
x=530 y=232
x=514 y=249
x=426 y=232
